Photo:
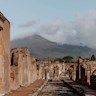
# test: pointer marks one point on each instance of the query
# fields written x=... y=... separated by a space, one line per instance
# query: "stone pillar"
x=88 y=74
x=74 y=73
x=20 y=69
x=33 y=70
x=64 y=67
x=40 y=71
x=29 y=66
x=80 y=61
x=79 y=71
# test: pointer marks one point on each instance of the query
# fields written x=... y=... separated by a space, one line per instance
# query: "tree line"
x=70 y=59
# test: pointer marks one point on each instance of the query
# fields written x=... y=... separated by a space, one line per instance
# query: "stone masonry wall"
x=34 y=76
x=4 y=54
x=21 y=68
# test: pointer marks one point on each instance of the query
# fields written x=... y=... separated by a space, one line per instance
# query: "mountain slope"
x=43 y=48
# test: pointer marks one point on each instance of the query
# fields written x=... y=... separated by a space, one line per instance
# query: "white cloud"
x=80 y=31
x=28 y=24
x=92 y=13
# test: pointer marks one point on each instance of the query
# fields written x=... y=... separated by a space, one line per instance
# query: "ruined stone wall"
x=14 y=82
x=91 y=73
x=33 y=70
x=4 y=54
x=20 y=68
x=81 y=71
x=40 y=65
x=50 y=70
x=40 y=71
x=70 y=69
x=86 y=71
x=92 y=66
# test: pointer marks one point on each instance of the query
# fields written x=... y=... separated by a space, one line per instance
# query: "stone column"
x=74 y=73
x=88 y=74
x=29 y=67
x=79 y=71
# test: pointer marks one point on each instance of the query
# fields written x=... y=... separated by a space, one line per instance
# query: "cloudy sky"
x=61 y=21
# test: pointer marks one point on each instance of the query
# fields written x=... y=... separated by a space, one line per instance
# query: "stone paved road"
x=81 y=88
x=57 y=88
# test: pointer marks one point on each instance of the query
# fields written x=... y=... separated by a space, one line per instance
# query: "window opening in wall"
x=12 y=59
x=1 y=28
x=37 y=67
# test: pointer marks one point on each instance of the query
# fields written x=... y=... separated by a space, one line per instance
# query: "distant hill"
x=43 y=48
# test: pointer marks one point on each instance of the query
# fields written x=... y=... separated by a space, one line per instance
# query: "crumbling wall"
x=92 y=73
x=50 y=70
x=4 y=54
x=14 y=77
x=85 y=71
x=21 y=67
x=33 y=70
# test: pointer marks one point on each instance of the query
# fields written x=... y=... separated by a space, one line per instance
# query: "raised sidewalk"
x=25 y=91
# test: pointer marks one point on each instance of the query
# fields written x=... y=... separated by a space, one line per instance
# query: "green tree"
x=93 y=58
x=59 y=59
x=68 y=59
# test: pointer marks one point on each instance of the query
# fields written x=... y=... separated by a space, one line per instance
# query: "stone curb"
x=38 y=90
x=74 y=89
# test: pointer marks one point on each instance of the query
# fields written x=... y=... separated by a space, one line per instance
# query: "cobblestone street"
x=57 y=88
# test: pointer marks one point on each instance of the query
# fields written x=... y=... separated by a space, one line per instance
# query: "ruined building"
x=4 y=53
x=86 y=72
x=17 y=66
x=23 y=68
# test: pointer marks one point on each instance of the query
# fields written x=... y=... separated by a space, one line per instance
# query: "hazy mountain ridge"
x=43 y=48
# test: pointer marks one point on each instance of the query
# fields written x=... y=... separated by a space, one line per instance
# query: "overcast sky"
x=61 y=21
